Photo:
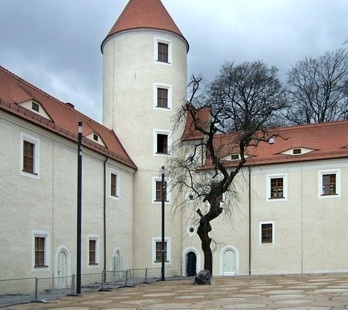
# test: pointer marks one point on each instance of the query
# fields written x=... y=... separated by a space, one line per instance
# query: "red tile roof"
x=14 y=90
x=325 y=140
x=145 y=14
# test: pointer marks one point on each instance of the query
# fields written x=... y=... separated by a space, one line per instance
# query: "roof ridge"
x=50 y=96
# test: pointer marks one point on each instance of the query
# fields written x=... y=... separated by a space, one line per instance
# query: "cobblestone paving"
x=297 y=292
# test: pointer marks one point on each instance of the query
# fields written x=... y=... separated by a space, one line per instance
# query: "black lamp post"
x=164 y=190
x=79 y=208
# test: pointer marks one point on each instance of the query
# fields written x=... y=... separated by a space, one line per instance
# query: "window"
x=296 y=151
x=276 y=187
x=113 y=184
x=234 y=156
x=159 y=191
x=162 y=142
x=41 y=248
x=29 y=156
x=163 y=52
x=39 y=251
x=329 y=183
x=93 y=250
x=267 y=233
x=35 y=106
x=157 y=250
x=162 y=98
x=95 y=137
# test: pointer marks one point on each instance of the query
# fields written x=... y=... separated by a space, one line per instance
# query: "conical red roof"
x=145 y=14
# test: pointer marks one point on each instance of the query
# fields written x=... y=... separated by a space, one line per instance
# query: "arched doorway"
x=191 y=264
x=229 y=261
x=62 y=268
x=117 y=265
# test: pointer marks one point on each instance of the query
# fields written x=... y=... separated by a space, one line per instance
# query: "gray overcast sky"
x=55 y=44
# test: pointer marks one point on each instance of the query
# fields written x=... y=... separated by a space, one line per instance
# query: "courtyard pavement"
x=300 y=292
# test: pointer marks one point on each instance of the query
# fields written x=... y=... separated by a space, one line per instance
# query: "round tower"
x=144 y=83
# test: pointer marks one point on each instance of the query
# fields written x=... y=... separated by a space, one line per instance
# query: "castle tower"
x=144 y=83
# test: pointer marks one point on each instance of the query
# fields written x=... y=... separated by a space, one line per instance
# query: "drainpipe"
x=104 y=220
x=249 y=170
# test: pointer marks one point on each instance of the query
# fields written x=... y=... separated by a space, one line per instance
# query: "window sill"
x=161 y=201
x=29 y=172
x=163 y=62
x=40 y=266
x=273 y=198
x=328 y=195
x=95 y=264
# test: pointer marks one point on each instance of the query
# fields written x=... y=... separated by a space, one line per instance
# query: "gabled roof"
x=316 y=141
x=145 y=14
x=64 y=118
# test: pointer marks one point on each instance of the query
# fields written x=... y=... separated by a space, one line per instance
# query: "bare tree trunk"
x=203 y=232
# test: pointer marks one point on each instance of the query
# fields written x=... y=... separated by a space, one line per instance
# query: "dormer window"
x=296 y=151
x=235 y=157
x=35 y=106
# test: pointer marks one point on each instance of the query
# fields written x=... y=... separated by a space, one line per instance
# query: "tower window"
x=162 y=52
x=162 y=97
x=162 y=144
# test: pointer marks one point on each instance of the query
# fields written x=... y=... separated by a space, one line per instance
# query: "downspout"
x=249 y=183
x=104 y=220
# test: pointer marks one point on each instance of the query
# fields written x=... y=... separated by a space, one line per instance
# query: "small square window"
x=95 y=137
x=296 y=151
x=163 y=52
x=266 y=233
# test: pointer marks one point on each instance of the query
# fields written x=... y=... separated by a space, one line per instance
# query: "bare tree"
x=318 y=88
x=226 y=117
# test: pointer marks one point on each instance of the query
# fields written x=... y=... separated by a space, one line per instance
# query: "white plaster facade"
x=308 y=230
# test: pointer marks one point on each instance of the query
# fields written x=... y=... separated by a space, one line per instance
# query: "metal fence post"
x=146 y=275
x=36 y=288
x=73 y=284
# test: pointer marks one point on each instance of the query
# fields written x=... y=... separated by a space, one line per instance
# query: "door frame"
x=64 y=249
x=236 y=259
x=184 y=260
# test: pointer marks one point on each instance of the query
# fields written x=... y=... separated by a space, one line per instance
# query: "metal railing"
x=34 y=289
